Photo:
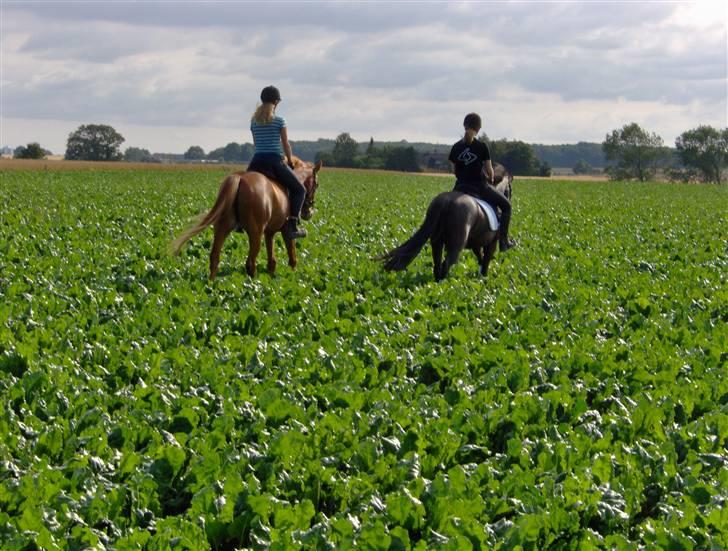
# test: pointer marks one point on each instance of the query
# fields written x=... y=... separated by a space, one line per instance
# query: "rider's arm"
x=286 y=146
x=489 y=170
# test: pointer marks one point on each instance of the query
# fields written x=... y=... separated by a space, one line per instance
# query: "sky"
x=171 y=74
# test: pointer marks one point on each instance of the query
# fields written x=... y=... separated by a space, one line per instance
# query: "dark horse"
x=252 y=202
x=454 y=221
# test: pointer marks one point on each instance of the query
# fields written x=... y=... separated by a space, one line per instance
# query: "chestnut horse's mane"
x=299 y=163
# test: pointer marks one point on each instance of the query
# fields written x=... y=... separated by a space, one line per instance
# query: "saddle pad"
x=490 y=213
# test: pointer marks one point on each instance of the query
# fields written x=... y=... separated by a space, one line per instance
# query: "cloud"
x=393 y=70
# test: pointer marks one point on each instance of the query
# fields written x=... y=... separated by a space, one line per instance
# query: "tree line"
x=631 y=152
x=701 y=154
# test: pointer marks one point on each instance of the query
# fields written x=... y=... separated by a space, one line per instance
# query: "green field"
x=577 y=399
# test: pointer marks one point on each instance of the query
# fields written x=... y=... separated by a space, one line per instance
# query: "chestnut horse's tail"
x=400 y=258
x=225 y=201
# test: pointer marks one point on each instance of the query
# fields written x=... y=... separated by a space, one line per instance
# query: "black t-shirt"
x=469 y=159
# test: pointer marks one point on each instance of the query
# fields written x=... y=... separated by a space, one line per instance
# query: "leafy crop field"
x=577 y=399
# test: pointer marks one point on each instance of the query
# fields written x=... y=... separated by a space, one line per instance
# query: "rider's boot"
x=505 y=244
x=292 y=230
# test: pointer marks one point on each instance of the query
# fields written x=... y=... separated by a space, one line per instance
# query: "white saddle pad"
x=490 y=213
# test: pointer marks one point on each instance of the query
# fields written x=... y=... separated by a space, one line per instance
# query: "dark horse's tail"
x=225 y=200
x=399 y=258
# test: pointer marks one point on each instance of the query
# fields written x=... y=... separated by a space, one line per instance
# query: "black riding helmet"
x=270 y=94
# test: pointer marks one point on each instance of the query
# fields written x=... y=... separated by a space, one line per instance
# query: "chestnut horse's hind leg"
x=291 y=248
x=254 y=238
x=271 y=253
x=221 y=233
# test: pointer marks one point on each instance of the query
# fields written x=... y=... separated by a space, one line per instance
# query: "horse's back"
x=261 y=202
x=459 y=204
x=464 y=218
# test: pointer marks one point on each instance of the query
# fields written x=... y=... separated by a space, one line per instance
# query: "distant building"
x=170 y=157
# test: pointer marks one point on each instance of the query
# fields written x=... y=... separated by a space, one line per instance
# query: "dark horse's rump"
x=453 y=222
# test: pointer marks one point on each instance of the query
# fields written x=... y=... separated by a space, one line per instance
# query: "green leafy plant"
x=576 y=398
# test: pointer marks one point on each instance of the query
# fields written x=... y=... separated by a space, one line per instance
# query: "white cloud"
x=190 y=73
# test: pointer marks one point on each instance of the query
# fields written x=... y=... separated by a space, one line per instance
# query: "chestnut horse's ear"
x=318 y=167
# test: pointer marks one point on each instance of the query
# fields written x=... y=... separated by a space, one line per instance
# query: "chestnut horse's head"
x=307 y=173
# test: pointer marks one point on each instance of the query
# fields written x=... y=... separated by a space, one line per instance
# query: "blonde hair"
x=263 y=113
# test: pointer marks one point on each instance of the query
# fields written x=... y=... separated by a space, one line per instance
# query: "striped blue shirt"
x=267 y=137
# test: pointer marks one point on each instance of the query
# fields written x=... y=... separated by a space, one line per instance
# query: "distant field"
x=60 y=164
x=577 y=399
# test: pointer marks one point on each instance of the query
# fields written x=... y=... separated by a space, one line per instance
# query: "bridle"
x=310 y=183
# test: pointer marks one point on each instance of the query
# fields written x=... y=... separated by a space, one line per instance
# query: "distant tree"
x=544 y=169
x=682 y=174
x=139 y=155
x=247 y=150
x=567 y=155
x=195 y=153
x=582 y=167
x=705 y=149
x=636 y=152
x=216 y=154
x=30 y=151
x=94 y=142
x=326 y=157
x=370 y=147
x=401 y=158
x=233 y=152
x=518 y=156
x=345 y=149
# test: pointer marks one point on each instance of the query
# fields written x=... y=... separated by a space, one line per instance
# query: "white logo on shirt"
x=467 y=157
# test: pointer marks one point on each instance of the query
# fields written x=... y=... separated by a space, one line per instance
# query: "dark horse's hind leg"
x=437 y=246
x=489 y=251
x=455 y=244
x=451 y=258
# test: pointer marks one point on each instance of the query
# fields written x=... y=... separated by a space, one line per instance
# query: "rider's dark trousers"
x=272 y=165
x=490 y=195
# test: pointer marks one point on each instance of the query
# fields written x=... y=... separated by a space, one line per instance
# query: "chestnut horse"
x=252 y=202
x=454 y=221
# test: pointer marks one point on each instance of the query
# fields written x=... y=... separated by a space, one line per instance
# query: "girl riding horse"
x=270 y=137
x=470 y=157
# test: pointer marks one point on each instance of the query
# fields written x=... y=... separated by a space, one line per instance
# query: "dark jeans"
x=274 y=167
x=490 y=195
